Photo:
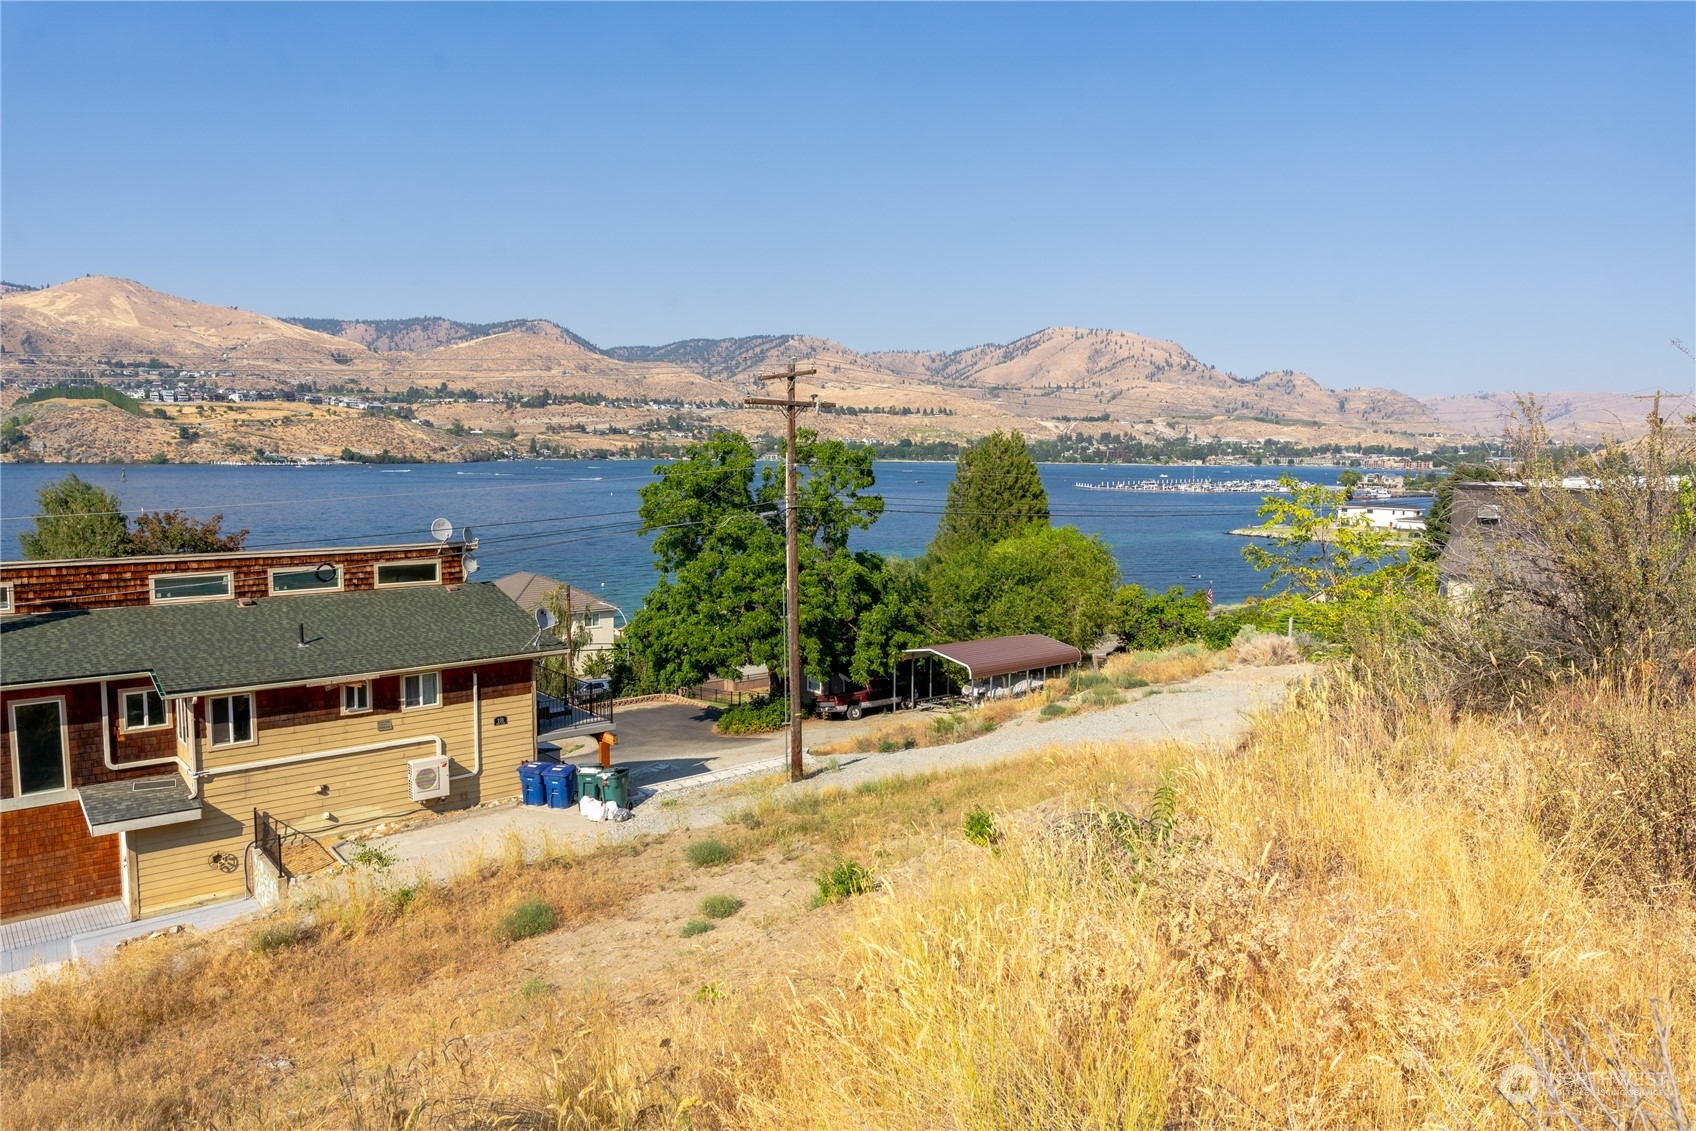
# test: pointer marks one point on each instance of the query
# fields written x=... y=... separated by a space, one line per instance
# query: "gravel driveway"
x=1211 y=709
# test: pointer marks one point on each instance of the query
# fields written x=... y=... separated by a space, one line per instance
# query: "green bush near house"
x=527 y=920
x=757 y=716
x=695 y=927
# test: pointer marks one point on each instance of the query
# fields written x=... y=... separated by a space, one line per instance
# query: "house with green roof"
x=166 y=720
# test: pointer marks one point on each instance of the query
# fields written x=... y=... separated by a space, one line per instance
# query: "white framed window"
x=144 y=710
x=185 y=721
x=5 y=598
x=423 y=571
x=232 y=719
x=356 y=698
x=423 y=689
x=41 y=759
x=322 y=578
x=192 y=586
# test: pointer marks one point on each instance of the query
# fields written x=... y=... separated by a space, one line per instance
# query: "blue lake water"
x=577 y=520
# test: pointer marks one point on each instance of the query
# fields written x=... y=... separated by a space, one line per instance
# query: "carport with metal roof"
x=995 y=667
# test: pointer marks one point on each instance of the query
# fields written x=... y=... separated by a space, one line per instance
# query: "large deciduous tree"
x=76 y=519
x=1055 y=581
x=718 y=545
x=997 y=493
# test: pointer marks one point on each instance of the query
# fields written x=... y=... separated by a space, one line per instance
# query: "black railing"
x=561 y=701
x=272 y=834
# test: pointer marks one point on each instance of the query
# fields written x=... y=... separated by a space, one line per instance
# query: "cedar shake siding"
x=39 y=587
x=82 y=731
x=66 y=866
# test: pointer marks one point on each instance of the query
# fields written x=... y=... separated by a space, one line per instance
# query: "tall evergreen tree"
x=997 y=494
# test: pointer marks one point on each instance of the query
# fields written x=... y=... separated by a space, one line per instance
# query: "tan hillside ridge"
x=1043 y=384
x=1583 y=417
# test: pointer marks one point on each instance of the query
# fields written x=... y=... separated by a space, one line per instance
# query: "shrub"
x=278 y=936
x=708 y=853
x=1103 y=697
x=530 y=918
x=1260 y=649
x=757 y=716
x=1054 y=710
x=694 y=927
x=720 y=906
x=1125 y=681
x=843 y=879
x=980 y=826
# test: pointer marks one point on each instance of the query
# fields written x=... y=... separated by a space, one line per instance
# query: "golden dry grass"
x=1173 y=665
x=1354 y=912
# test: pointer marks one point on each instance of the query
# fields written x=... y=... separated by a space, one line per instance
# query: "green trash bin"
x=589 y=782
x=615 y=786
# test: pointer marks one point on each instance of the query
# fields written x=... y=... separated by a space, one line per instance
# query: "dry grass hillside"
x=81 y=431
x=1367 y=914
x=1584 y=417
x=1040 y=384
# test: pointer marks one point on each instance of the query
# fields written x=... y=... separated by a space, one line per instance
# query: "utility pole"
x=791 y=528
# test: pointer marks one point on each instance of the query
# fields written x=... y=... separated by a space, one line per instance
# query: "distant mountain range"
x=1054 y=380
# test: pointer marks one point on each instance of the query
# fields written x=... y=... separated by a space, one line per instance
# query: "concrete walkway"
x=37 y=948
x=1214 y=708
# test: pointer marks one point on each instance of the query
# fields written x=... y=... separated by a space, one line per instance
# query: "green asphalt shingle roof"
x=194 y=648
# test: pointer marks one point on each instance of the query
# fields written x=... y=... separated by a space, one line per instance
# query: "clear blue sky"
x=1439 y=198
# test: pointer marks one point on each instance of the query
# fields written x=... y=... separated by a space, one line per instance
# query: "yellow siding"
x=173 y=864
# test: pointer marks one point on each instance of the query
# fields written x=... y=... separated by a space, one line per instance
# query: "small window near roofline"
x=423 y=689
x=144 y=710
x=356 y=698
x=425 y=571
x=324 y=578
x=191 y=586
x=1489 y=516
x=232 y=719
x=5 y=598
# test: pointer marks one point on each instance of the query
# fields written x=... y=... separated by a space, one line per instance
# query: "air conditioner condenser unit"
x=427 y=778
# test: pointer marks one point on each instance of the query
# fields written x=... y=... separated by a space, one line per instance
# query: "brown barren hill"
x=97 y=318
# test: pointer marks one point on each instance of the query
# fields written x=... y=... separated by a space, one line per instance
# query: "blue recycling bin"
x=530 y=784
x=561 y=786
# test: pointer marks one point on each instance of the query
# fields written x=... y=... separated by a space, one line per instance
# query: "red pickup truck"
x=877 y=693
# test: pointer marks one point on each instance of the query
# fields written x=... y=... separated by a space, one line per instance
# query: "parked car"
x=878 y=693
x=592 y=688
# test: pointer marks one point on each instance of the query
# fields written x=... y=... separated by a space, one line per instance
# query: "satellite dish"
x=471 y=565
x=545 y=619
x=442 y=529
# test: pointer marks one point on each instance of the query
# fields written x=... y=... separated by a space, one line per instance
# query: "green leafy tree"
x=75 y=519
x=1349 y=480
x=997 y=493
x=1055 y=581
x=1312 y=552
x=1157 y=620
x=173 y=532
x=718 y=545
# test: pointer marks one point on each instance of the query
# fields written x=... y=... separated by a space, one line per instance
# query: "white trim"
x=342 y=691
x=271 y=580
x=124 y=710
x=180 y=817
x=39 y=800
x=366 y=748
x=153 y=580
x=377 y=573
x=77 y=680
x=252 y=720
x=64 y=745
x=5 y=596
x=421 y=706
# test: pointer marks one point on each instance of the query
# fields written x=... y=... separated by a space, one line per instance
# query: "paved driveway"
x=666 y=741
